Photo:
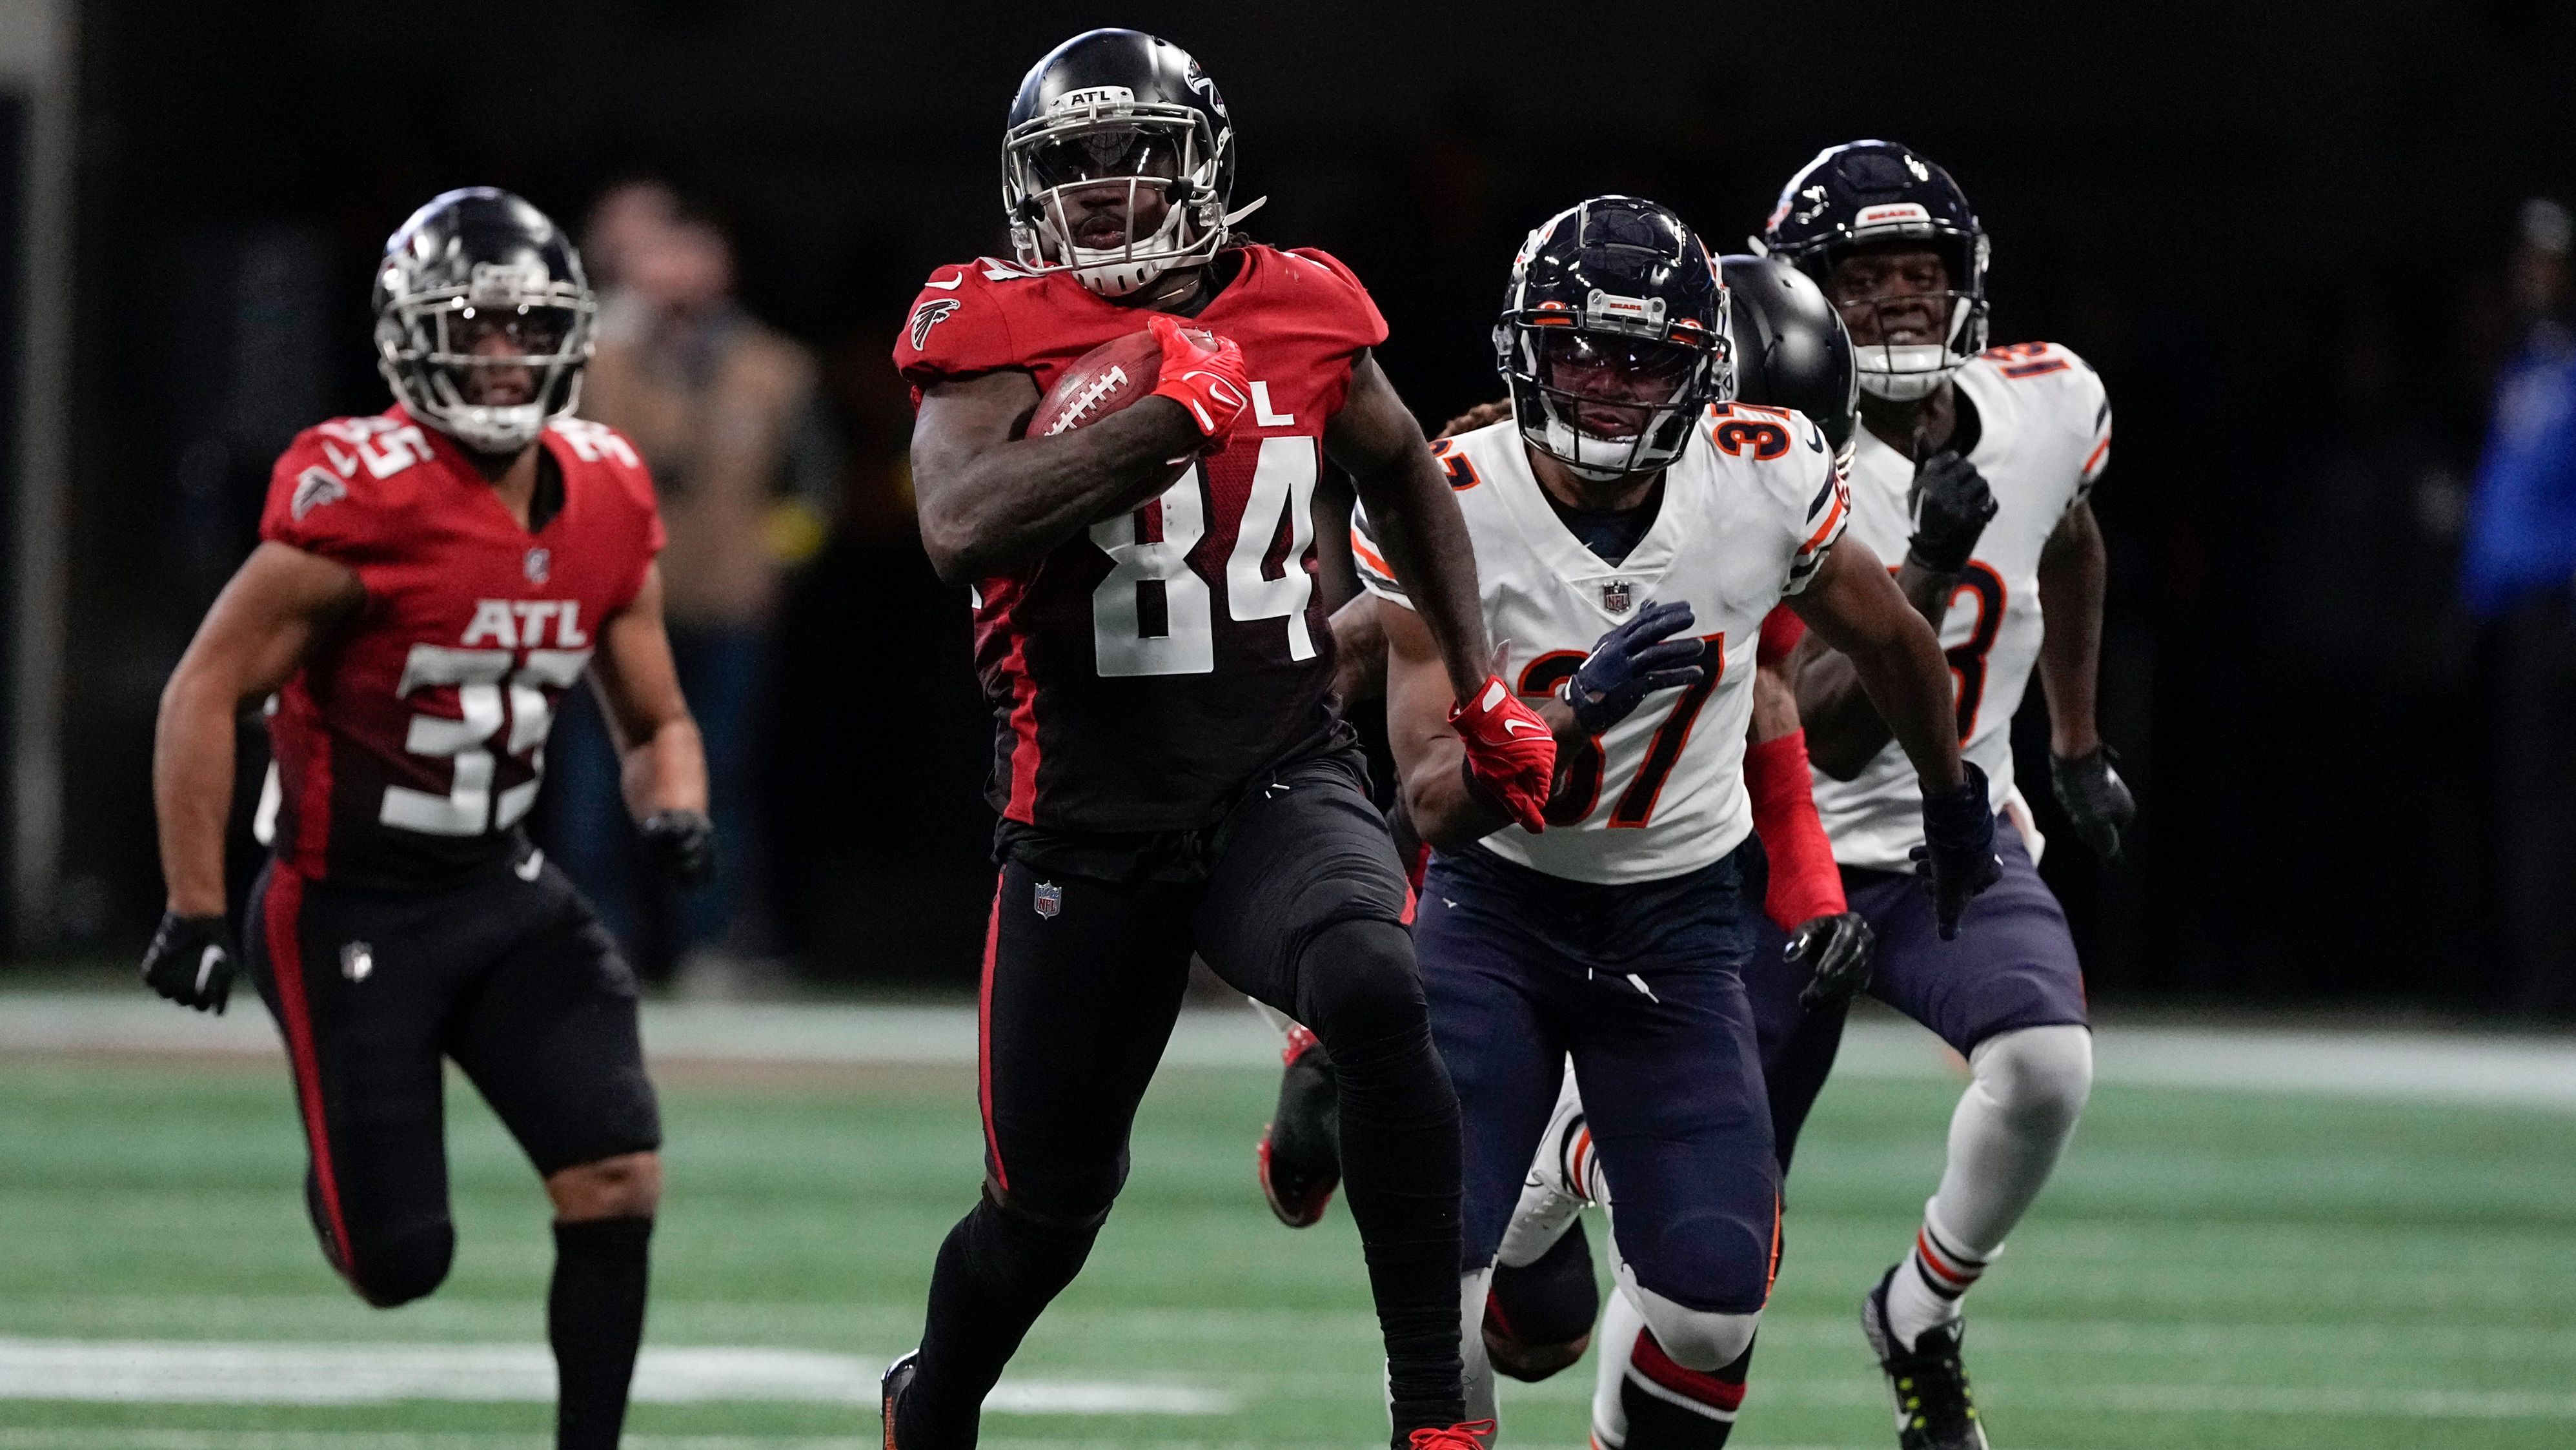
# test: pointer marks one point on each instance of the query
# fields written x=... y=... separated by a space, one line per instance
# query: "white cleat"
x=1561 y=1184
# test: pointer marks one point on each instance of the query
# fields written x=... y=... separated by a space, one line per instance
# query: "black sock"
x=595 y=1320
x=1400 y=1157
x=997 y=1271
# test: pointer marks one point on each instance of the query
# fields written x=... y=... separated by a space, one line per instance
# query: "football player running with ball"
x=1169 y=767
x=1974 y=466
x=1628 y=493
x=428 y=583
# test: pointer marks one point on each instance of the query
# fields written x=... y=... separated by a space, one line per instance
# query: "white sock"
x=1478 y=1367
x=1612 y=1347
x=2011 y=1125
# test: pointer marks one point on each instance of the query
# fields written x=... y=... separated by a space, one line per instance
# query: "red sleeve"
x=1805 y=882
x=315 y=506
x=595 y=446
x=1781 y=631
x=956 y=328
x=1365 y=325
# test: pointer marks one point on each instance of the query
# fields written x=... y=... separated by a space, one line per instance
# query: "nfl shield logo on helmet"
x=538 y=564
x=1050 y=899
x=1615 y=596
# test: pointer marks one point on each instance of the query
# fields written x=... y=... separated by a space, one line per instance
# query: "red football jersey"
x=410 y=744
x=1141 y=672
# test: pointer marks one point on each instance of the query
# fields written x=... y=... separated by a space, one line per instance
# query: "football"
x=1100 y=382
x=1111 y=376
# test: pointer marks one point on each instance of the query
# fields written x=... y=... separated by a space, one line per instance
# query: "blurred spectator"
x=727 y=413
x=2520 y=575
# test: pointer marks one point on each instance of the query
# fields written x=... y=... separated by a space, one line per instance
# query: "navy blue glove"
x=1957 y=858
x=1631 y=662
x=1836 y=951
x=191 y=961
x=1951 y=505
x=683 y=844
x=2095 y=797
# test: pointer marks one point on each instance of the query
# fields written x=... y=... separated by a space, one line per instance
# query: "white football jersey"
x=2044 y=436
x=1749 y=510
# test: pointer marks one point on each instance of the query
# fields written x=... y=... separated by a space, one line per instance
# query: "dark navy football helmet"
x=1614 y=336
x=1866 y=192
x=1791 y=350
x=1118 y=108
x=474 y=265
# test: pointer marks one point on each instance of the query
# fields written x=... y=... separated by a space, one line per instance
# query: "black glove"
x=1957 y=858
x=1631 y=662
x=2095 y=797
x=683 y=844
x=191 y=961
x=1951 y=504
x=1836 y=951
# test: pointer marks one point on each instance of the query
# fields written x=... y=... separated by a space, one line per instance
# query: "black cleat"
x=891 y=1390
x=1301 y=1150
x=1934 y=1408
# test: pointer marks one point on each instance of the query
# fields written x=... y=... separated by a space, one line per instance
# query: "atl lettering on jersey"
x=411 y=743
x=1141 y=672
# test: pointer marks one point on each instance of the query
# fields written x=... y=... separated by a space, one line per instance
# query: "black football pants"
x=1302 y=906
x=508 y=973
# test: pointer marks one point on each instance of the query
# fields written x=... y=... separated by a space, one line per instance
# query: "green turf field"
x=2209 y=1270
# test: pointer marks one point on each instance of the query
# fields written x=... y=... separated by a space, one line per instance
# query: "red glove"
x=1511 y=754
x=1805 y=882
x=1203 y=373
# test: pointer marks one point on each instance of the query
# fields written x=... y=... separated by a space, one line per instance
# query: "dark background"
x=2278 y=232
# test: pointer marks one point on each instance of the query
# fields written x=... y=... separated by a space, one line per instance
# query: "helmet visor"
x=1113 y=151
x=1611 y=386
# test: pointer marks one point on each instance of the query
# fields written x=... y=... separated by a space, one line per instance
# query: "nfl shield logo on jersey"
x=539 y=563
x=1615 y=597
x=1050 y=899
x=357 y=961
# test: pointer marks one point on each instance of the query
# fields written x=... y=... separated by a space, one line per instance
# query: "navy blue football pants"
x=1642 y=986
x=2012 y=966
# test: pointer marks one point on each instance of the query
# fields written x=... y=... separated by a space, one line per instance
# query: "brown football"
x=1111 y=376
x=1100 y=382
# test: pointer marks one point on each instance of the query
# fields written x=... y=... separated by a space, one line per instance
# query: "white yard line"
x=221 y=1373
x=2521 y=1070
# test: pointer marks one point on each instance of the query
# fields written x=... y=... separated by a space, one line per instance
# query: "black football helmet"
x=1875 y=191
x=473 y=264
x=1118 y=108
x=1791 y=350
x=1614 y=287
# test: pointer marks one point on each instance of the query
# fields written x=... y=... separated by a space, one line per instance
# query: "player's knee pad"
x=395 y=1268
x=2038 y=1077
x=1705 y=1340
x=1357 y=990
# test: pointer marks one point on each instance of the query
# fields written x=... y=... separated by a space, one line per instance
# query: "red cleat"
x=1470 y=1436
x=1301 y=1156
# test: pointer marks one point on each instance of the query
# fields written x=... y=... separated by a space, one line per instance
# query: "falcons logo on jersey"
x=315 y=487
x=929 y=315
